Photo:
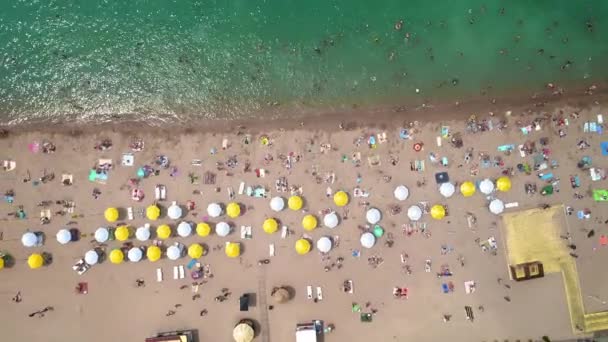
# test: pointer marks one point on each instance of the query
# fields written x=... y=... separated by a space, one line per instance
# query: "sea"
x=163 y=61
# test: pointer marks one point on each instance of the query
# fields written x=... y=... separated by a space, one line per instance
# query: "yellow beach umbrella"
x=122 y=233
x=117 y=256
x=270 y=225
x=1 y=263
x=233 y=210
x=341 y=198
x=153 y=212
x=503 y=184
x=309 y=222
x=438 y=212
x=467 y=189
x=295 y=203
x=195 y=251
x=203 y=229
x=233 y=249
x=153 y=253
x=35 y=261
x=302 y=246
x=111 y=214
x=163 y=231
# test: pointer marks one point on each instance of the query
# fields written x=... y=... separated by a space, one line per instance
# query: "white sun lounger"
x=130 y=213
x=309 y=292
x=159 y=275
x=175 y=273
x=271 y=249
x=182 y=273
x=284 y=232
x=241 y=188
x=319 y=293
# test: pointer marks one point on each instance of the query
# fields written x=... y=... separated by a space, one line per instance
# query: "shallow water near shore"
x=167 y=61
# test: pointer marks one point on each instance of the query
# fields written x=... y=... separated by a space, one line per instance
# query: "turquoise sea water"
x=163 y=59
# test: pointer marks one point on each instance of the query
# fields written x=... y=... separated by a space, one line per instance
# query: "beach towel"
x=604 y=147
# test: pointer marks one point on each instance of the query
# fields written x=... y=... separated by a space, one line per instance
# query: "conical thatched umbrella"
x=280 y=294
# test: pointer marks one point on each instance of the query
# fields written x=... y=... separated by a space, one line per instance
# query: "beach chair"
x=160 y=192
x=9 y=165
x=319 y=293
x=246 y=232
x=271 y=249
x=469 y=313
x=159 y=275
x=67 y=179
x=130 y=213
x=182 y=272
x=309 y=292
x=241 y=188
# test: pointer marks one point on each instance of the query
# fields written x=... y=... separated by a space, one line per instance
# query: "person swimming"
x=399 y=25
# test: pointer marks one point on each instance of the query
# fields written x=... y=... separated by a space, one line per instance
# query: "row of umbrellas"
x=468 y=188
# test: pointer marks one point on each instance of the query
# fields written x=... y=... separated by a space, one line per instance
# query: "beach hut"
x=233 y=249
x=438 y=212
x=214 y=210
x=401 y=193
x=30 y=239
x=135 y=254
x=373 y=216
x=116 y=256
x=341 y=198
x=195 y=251
x=447 y=190
x=309 y=222
x=243 y=333
x=174 y=211
x=91 y=257
x=163 y=231
x=111 y=214
x=222 y=229
x=324 y=244
x=102 y=234
x=331 y=220
x=302 y=246
x=64 y=236
x=143 y=233
x=174 y=252
x=122 y=233
x=184 y=229
x=153 y=253
x=277 y=204
x=467 y=189
x=486 y=186
x=233 y=210
x=203 y=229
x=503 y=184
x=496 y=207
x=414 y=213
x=270 y=225
x=153 y=212
x=35 y=261
x=368 y=240
x=295 y=203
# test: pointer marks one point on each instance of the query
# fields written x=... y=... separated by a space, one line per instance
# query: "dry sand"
x=115 y=309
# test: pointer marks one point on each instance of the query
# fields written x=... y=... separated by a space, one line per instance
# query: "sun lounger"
x=182 y=273
x=81 y=267
x=469 y=313
x=127 y=159
x=241 y=188
x=511 y=205
x=271 y=249
x=9 y=165
x=230 y=193
x=175 y=272
x=246 y=232
x=284 y=232
x=309 y=292
x=469 y=287
x=130 y=213
x=67 y=179
x=159 y=275
x=319 y=293
x=160 y=192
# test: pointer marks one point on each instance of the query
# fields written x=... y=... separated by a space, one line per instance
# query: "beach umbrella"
x=122 y=233
x=35 y=261
x=153 y=253
x=368 y=240
x=184 y=229
x=135 y=254
x=486 y=186
x=153 y=212
x=309 y=222
x=214 y=210
x=195 y=251
x=203 y=229
x=302 y=246
x=243 y=333
x=467 y=189
x=1 y=263
x=270 y=225
x=280 y=295
x=373 y=216
x=447 y=189
x=414 y=213
x=174 y=253
x=324 y=244
x=116 y=256
x=503 y=184
x=175 y=211
x=497 y=206
x=438 y=212
x=331 y=220
x=295 y=203
x=277 y=204
x=233 y=210
x=341 y=198
x=233 y=249
x=91 y=257
x=102 y=235
x=64 y=236
x=401 y=193
x=143 y=233
x=222 y=229
x=163 y=231
x=378 y=231
x=111 y=214
x=29 y=239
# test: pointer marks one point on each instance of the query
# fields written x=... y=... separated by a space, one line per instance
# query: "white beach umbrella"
x=102 y=235
x=324 y=244
x=277 y=203
x=64 y=236
x=497 y=207
x=135 y=254
x=486 y=186
x=368 y=240
x=414 y=213
x=214 y=210
x=29 y=239
x=175 y=211
x=173 y=253
x=91 y=257
x=447 y=189
x=373 y=216
x=331 y=220
x=222 y=229
x=184 y=229
x=401 y=193
x=143 y=233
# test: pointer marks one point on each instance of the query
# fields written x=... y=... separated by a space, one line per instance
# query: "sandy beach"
x=116 y=309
